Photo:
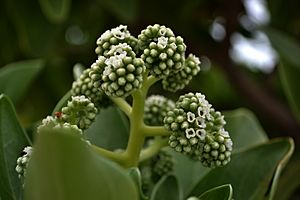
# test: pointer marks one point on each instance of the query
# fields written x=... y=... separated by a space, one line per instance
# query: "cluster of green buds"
x=84 y=85
x=156 y=108
x=80 y=111
x=162 y=164
x=22 y=162
x=120 y=73
x=126 y=66
x=163 y=52
x=155 y=168
x=198 y=131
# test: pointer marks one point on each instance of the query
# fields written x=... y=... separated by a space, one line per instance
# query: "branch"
x=122 y=104
x=153 y=149
x=149 y=131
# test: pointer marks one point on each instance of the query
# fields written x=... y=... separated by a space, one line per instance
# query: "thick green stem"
x=137 y=126
x=138 y=130
x=122 y=104
x=153 y=149
x=155 y=131
x=136 y=139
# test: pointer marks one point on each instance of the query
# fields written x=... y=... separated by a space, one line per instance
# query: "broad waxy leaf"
x=12 y=141
x=289 y=181
x=223 y=192
x=289 y=70
x=63 y=166
x=167 y=188
x=56 y=10
x=110 y=130
x=244 y=129
x=15 y=78
x=250 y=172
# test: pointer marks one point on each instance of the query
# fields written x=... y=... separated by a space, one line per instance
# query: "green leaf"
x=167 y=188
x=244 y=129
x=250 y=172
x=110 y=130
x=289 y=69
x=135 y=174
x=223 y=192
x=13 y=139
x=289 y=76
x=187 y=171
x=289 y=181
x=15 y=78
x=56 y=11
x=63 y=166
x=126 y=11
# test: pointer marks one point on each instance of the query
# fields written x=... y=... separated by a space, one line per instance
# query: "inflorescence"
x=198 y=131
x=124 y=63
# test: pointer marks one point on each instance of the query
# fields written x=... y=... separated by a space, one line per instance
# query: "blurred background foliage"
x=250 y=53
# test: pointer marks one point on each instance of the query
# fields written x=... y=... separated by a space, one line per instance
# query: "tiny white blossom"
x=200 y=121
x=120 y=32
x=28 y=150
x=195 y=59
x=189 y=133
x=163 y=41
x=191 y=117
x=105 y=36
x=201 y=133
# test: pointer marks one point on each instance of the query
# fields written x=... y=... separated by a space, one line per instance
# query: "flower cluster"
x=156 y=108
x=85 y=86
x=162 y=51
x=119 y=74
x=162 y=164
x=79 y=111
x=198 y=131
x=177 y=81
x=155 y=168
x=57 y=123
x=22 y=162
x=113 y=37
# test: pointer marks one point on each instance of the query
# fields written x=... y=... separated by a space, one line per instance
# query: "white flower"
x=195 y=59
x=201 y=133
x=28 y=150
x=120 y=32
x=189 y=133
x=191 y=117
x=162 y=41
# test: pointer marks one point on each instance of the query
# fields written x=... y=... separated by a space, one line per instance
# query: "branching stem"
x=153 y=149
